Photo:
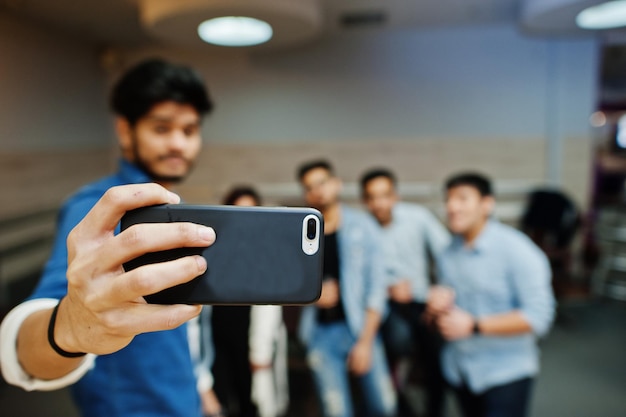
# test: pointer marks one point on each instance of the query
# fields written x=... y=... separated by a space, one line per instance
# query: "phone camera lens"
x=311 y=229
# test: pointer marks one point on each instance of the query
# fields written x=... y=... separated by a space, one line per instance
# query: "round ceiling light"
x=267 y=23
x=235 y=31
x=607 y=15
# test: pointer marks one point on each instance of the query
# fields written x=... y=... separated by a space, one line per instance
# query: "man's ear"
x=489 y=205
x=338 y=183
x=124 y=135
x=396 y=196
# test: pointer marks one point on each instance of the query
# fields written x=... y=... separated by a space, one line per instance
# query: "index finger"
x=116 y=201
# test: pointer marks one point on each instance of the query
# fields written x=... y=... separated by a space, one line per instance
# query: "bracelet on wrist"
x=53 y=344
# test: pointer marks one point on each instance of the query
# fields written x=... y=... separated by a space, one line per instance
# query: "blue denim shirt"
x=153 y=375
x=501 y=272
x=363 y=284
x=413 y=233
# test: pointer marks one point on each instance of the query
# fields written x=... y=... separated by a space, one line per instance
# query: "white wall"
x=55 y=131
x=468 y=84
x=489 y=85
x=448 y=83
x=405 y=84
x=51 y=90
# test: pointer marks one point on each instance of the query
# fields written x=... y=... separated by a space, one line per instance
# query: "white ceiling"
x=117 y=21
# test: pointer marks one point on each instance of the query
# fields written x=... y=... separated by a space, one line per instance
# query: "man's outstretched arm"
x=104 y=306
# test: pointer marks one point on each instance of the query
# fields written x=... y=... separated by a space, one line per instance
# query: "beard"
x=383 y=217
x=146 y=166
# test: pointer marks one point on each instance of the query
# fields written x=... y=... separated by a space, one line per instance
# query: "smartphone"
x=262 y=255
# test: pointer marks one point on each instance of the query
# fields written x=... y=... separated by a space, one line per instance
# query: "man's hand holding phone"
x=104 y=303
x=104 y=307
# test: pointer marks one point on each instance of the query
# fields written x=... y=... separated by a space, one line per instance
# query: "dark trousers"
x=406 y=335
x=509 y=400
x=231 y=367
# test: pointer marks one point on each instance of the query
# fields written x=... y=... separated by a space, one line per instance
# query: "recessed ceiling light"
x=608 y=15
x=235 y=31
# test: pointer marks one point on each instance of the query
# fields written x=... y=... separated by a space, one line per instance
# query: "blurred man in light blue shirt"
x=495 y=300
x=410 y=233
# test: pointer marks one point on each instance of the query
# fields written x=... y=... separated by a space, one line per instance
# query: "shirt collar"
x=484 y=238
x=482 y=241
x=396 y=214
x=131 y=173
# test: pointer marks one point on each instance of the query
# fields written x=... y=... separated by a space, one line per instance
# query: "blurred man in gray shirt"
x=410 y=233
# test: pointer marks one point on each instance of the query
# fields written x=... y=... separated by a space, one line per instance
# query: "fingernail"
x=201 y=262
x=173 y=198
x=191 y=309
x=207 y=233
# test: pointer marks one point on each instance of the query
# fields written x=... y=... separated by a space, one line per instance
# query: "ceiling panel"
x=117 y=21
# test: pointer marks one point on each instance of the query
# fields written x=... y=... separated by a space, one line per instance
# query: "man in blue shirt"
x=494 y=301
x=410 y=233
x=85 y=304
x=341 y=330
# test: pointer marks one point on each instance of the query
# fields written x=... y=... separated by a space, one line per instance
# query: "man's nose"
x=177 y=140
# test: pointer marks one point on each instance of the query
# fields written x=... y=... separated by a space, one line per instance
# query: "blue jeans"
x=327 y=356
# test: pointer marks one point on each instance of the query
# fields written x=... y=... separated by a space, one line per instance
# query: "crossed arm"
x=531 y=283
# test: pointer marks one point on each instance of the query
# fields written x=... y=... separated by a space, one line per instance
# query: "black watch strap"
x=475 y=328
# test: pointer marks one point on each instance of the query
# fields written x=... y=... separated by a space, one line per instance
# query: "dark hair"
x=155 y=81
x=377 y=173
x=311 y=165
x=473 y=179
x=240 y=191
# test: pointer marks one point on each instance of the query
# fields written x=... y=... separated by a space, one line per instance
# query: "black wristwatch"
x=475 y=328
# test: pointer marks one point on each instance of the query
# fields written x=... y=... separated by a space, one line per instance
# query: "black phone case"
x=257 y=257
